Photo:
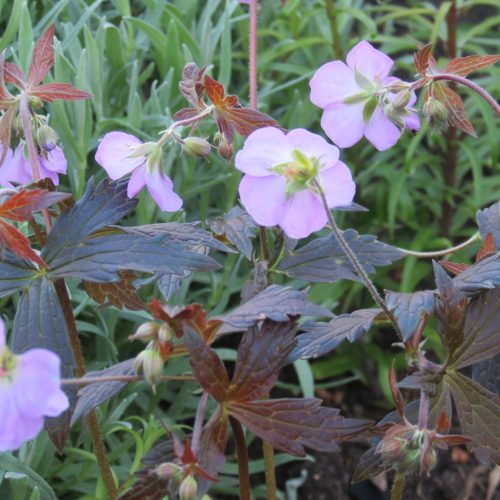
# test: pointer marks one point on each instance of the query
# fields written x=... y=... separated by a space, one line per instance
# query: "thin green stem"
x=241 y=449
x=444 y=251
x=355 y=262
x=331 y=11
x=270 y=470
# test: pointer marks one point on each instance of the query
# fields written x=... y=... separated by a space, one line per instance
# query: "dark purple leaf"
x=321 y=338
x=275 y=302
x=323 y=259
x=488 y=221
x=487 y=374
x=96 y=393
x=15 y=274
x=409 y=308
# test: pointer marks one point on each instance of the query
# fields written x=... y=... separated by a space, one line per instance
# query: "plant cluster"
x=293 y=185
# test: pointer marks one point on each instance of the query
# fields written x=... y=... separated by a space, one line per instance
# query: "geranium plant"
x=294 y=185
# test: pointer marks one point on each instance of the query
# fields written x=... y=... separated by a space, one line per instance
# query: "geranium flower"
x=281 y=169
x=29 y=391
x=16 y=167
x=120 y=154
x=361 y=99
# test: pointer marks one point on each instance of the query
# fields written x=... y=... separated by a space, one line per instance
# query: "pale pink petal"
x=332 y=82
x=56 y=404
x=343 y=123
x=161 y=188
x=313 y=146
x=48 y=174
x=137 y=181
x=338 y=185
x=380 y=131
x=303 y=215
x=412 y=121
x=263 y=198
x=369 y=61
x=263 y=148
x=113 y=151
x=55 y=161
x=15 y=168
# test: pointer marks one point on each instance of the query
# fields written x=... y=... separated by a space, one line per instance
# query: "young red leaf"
x=15 y=75
x=488 y=248
x=207 y=367
x=262 y=352
x=51 y=91
x=42 y=58
x=191 y=85
x=454 y=267
x=20 y=206
x=17 y=243
x=462 y=66
x=455 y=107
x=215 y=91
x=291 y=424
x=423 y=58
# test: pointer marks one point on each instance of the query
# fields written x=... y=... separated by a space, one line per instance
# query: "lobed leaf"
x=477 y=410
x=262 y=352
x=462 y=66
x=50 y=92
x=409 y=308
x=276 y=303
x=321 y=338
x=15 y=274
x=370 y=464
x=292 y=424
x=483 y=275
x=323 y=260
x=238 y=227
x=42 y=58
x=96 y=393
x=15 y=241
x=40 y=322
x=481 y=337
x=487 y=374
x=423 y=59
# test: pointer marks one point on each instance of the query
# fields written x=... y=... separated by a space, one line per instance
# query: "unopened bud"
x=147 y=331
x=196 y=146
x=165 y=333
x=397 y=86
x=46 y=138
x=401 y=99
x=435 y=113
x=155 y=158
x=150 y=363
x=145 y=149
x=188 y=488
x=167 y=470
x=225 y=149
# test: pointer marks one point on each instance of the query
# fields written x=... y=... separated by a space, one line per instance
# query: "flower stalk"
x=241 y=448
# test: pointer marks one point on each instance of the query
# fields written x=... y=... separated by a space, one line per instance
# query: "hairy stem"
x=331 y=12
x=120 y=378
x=241 y=448
x=423 y=411
x=451 y=132
x=270 y=470
x=473 y=86
x=398 y=487
x=445 y=251
x=252 y=55
x=198 y=423
x=355 y=262
x=187 y=121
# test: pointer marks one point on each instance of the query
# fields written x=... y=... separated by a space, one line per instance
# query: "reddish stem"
x=241 y=448
x=253 y=54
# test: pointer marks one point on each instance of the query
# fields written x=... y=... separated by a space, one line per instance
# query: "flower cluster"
x=16 y=168
x=29 y=390
x=360 y=98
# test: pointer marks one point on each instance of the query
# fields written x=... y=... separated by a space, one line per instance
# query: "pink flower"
x=16 y=167
x=361 y=99
x=278 y=188
x=29 y=390
x=121 y=154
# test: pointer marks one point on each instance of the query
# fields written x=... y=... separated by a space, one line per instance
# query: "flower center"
x=299 y=173
x=7 y=365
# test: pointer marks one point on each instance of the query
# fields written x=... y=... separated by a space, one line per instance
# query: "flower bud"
x=397 y=86
x=225 y=149
x=435 y=113
x=46 y=137
x=150 y=363
x=145 y=149
x=167 y=470
x=196 y=146
x=147 y=331
x=165 y=333
x=188 y=488
x=401 y=99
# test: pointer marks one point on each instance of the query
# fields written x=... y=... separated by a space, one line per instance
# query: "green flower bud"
x=150 y=363
x=196 y=146
x=167 y=470
x=147 y=331
x=46 y=138
x=225 y=149
x=188 y=488
x=435 y=113
x=165 y=333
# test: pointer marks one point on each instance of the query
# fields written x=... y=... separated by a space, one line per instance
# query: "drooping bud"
x=146 y=332
x=188 y=488
x=165 y=333
x=46 y=138
x=150 y=363
x=397 y=86
x=167 y=470
x=435 y=113
x=196 y=146
x=225 y=149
